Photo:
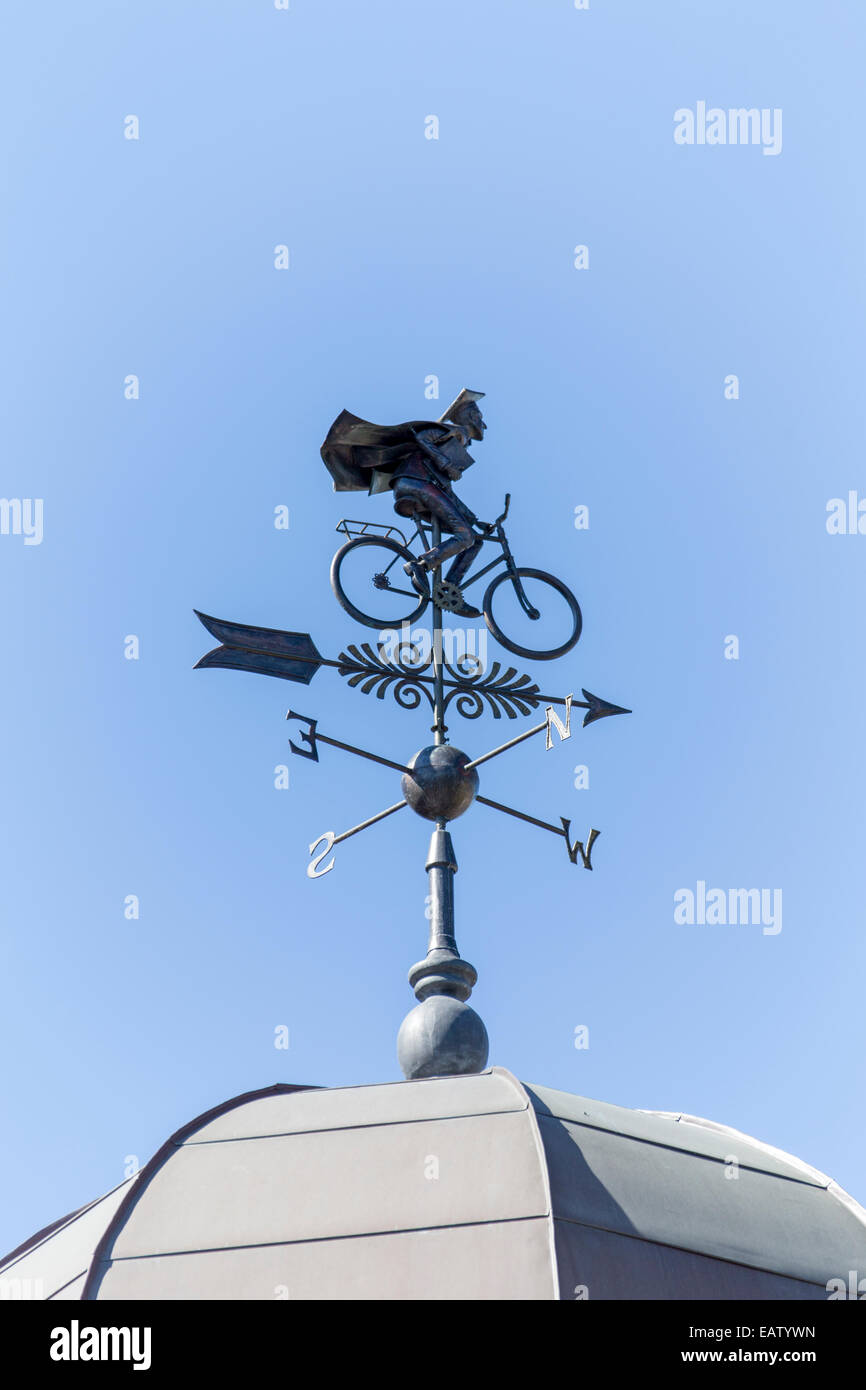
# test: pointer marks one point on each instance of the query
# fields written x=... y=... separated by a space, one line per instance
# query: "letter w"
x=577 y=848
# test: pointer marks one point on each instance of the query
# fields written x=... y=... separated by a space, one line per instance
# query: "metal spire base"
x=442 y=1036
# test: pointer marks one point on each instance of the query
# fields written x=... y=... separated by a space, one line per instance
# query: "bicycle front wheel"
x=550 y=627
x=368 y=582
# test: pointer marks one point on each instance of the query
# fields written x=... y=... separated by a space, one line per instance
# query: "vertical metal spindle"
x=438 y=728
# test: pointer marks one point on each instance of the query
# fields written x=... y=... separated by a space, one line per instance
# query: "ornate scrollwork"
x=510 y=694
x=407 y=674
x=368 y=671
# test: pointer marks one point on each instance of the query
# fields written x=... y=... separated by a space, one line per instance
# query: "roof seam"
x=321 y=1240
x=688 y=1250
x=66 y=1285
x=676 y=1148
x=142 y=1179
x=61 y=1224
x=544 y=1167
x=341 y=1129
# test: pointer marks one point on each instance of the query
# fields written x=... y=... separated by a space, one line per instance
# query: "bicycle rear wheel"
x=557 y=623
x=368 y=582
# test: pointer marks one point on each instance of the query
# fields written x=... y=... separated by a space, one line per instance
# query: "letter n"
x=564 y=730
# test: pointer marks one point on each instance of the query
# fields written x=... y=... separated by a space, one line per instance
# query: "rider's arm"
x=431 y=442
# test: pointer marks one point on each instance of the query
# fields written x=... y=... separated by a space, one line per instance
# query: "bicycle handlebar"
x=490 y=526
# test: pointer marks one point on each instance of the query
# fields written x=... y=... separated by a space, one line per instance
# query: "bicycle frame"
x=506 y=558
x=423 y=533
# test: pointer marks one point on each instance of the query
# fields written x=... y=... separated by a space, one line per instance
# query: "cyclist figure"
x=419 y=461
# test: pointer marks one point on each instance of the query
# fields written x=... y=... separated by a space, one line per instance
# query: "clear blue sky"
x=605 y=388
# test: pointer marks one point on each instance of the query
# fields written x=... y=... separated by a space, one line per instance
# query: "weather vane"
x=387 y=582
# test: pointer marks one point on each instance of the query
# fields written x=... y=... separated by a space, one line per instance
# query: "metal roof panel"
x=608 y=1180
x=357 y=1106
x=711 y=1141
x=338 y=1182
x=500 y=1260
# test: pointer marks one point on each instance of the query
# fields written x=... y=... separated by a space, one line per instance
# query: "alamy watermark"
x=732 y=906
x=77 y=1343
x=406 y=646
x=852 y=1288
x=846 y=516
x=22 y=516
x=18 y=1290
x=738 y=125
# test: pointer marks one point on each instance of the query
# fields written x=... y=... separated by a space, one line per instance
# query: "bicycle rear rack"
x=351 y=529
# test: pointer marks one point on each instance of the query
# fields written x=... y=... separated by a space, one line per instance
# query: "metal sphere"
x=441 y=1037
x=440 y=787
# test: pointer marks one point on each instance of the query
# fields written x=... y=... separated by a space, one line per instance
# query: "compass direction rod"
x=503 y=747
x=573 y=850
x=365 y=824
x=329 y=840
x=596 y=709
x=312 y=736
x=521 y=815
x=362 y=753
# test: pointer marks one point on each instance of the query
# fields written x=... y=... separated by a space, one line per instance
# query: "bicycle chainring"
x=447 y=595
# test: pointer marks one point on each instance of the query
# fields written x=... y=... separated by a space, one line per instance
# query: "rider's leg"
x=464 y=560
x=461 y=537
x=462 y=544
x=412 y=495
x=462 y=540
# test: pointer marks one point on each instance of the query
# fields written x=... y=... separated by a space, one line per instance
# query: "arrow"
x=293 y=656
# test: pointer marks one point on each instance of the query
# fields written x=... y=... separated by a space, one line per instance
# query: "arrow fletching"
x=292 y=656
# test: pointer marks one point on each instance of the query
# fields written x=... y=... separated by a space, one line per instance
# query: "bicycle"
x=372 y=551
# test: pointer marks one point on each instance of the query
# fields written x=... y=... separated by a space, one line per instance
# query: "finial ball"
x=441 y=1037
x=440 y=787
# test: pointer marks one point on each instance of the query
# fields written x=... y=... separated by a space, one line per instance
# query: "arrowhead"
x=599 y=708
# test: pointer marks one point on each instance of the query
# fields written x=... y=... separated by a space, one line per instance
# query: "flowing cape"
x=354 y=449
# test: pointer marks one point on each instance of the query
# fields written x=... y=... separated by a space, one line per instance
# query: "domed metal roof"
x=463 y=1187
